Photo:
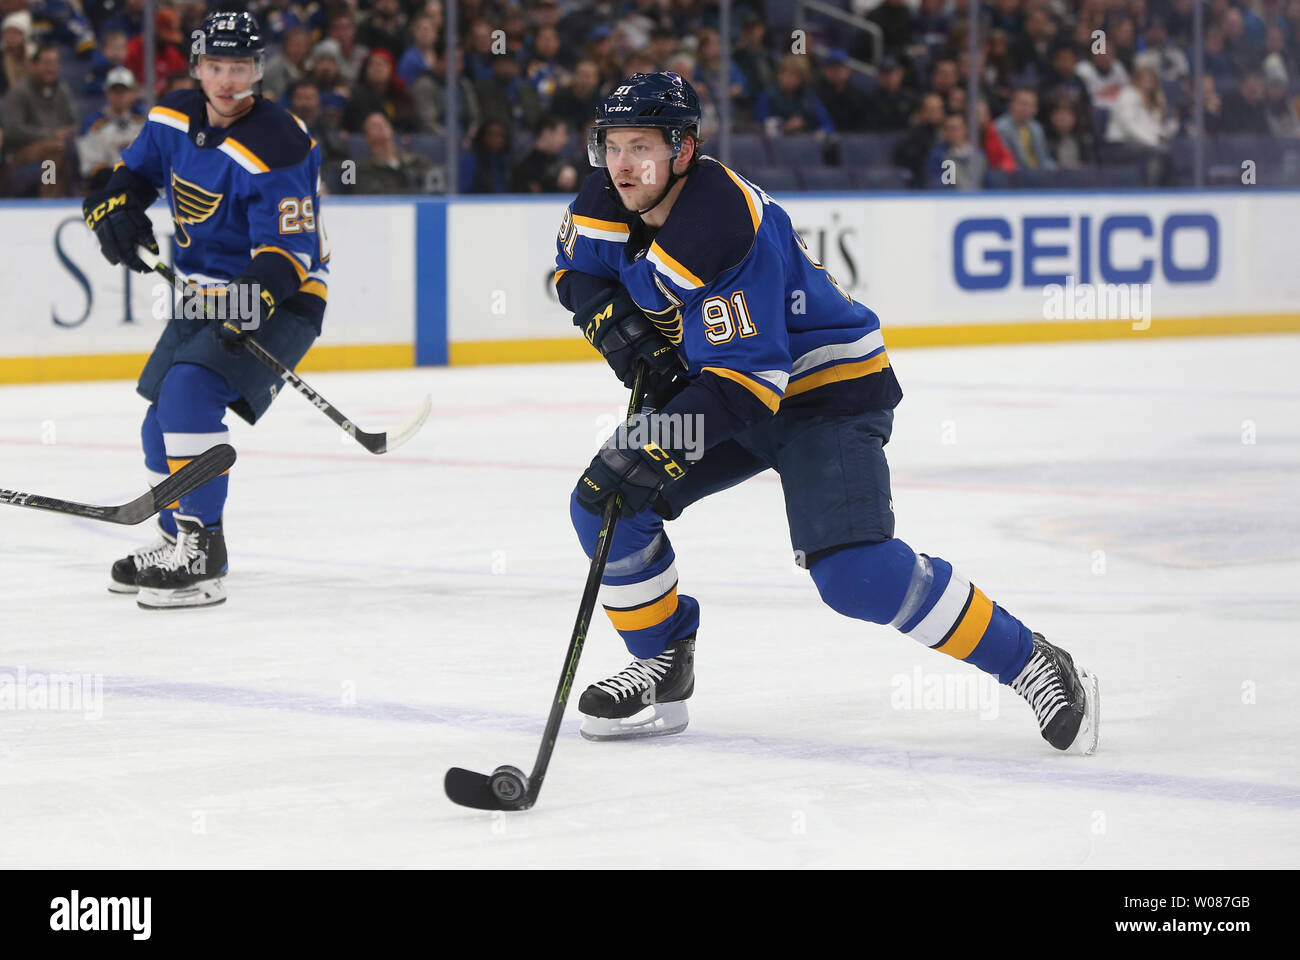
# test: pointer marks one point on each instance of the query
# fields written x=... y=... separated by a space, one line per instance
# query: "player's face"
x=222 y=78
x=639 y=162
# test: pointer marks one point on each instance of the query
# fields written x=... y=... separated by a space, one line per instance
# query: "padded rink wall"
x=431 y=281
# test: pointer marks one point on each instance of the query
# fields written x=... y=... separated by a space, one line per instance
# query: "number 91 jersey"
x=730 y=282
x=238 y=194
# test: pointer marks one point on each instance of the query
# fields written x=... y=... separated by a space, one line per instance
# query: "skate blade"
x=1085 y=741
x=209 y=593
x=122 y=588
x=657 y=720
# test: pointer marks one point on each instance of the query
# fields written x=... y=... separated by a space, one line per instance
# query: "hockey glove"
x=615 y=325
x=636 y=470
x=120 y=225
x=247 y=306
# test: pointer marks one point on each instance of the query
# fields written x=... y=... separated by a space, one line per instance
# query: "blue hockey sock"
x=639 y=587
x=155 y=461
x=191 y=413
x=926 y=599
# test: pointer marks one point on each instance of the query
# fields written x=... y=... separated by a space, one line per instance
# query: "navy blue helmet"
x=230 y=33
x=662 y=100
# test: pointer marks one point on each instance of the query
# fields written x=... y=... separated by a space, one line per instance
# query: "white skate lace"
x=1040 y=684
x=637 y=676
x=185 y=550
x=154 y=554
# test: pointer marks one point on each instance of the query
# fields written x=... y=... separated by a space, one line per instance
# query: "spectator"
x=16 y=50
x=62 y=23
x=1064 y=88
x=179 y=81
x=913 y=151
x=288 y=65
x=1244 y=109
x=577 y=102
x=954 y=162
x=1000 y=159
x=1024 y=135
x=931 y=25
x=1122 y=42
x=1282 y=120
x=384 y=28
x=1277 y=63
x=943 y=77
x=663 y=43
x=352 y=55
x=110 y=53
x=427 y=95
x=1071 y=148
x=1162 y=56
x=999 y=66
x=485 y=168
x=388 y=170
x=39 y=117
x=792 y=107
x=111 y=130
x=1244 y=54
x=1033 y=48
x=1007 y=15
x=891 y=105
x=1216 y=60
x=167 y=56
x=708 y=67
x=279 y=17
x=1213 y=109
x=1104 y=77
x=129 y=19
x=895 y=21
x=600 y=51
x=546 y=168
x=545 y=71
x=479 y=57
x=379 y=91
x=757 y=66
x=326 y=66
x=422 y=54
x=1140 y=128
x=845 y=103
x=1178 y=22
x=305 y=104
x=508 y=97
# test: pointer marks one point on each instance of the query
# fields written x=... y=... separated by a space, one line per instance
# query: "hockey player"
x=240 y=175
x=669 y=257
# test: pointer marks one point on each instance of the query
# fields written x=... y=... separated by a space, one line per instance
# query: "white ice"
x=392 y=616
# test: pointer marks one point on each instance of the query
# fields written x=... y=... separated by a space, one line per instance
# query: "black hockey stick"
x=507 y=788
x=209 y=464
x=374 y=442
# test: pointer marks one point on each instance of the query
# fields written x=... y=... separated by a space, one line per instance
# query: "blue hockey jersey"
x=244 y=199
x=763 y=326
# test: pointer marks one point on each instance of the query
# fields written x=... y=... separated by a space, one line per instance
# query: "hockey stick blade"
x=207 y=465
x=392 y=439
x=470 y=789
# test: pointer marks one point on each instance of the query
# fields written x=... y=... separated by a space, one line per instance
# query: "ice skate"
x=122 y=576
x=647 y=698
x=1065 y=698
x=192 y=574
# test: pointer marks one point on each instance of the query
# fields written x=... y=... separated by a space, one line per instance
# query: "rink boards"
x=431 y=281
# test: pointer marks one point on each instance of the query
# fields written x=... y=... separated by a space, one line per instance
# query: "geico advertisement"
x=62 y=298
x=1184 y=248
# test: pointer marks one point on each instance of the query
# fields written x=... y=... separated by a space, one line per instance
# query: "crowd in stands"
x=1064 y=85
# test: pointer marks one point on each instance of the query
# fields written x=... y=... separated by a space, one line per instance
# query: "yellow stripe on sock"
x=963 y=640
x=651 y=615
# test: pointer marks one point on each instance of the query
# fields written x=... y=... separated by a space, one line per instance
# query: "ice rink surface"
x=389 y=617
